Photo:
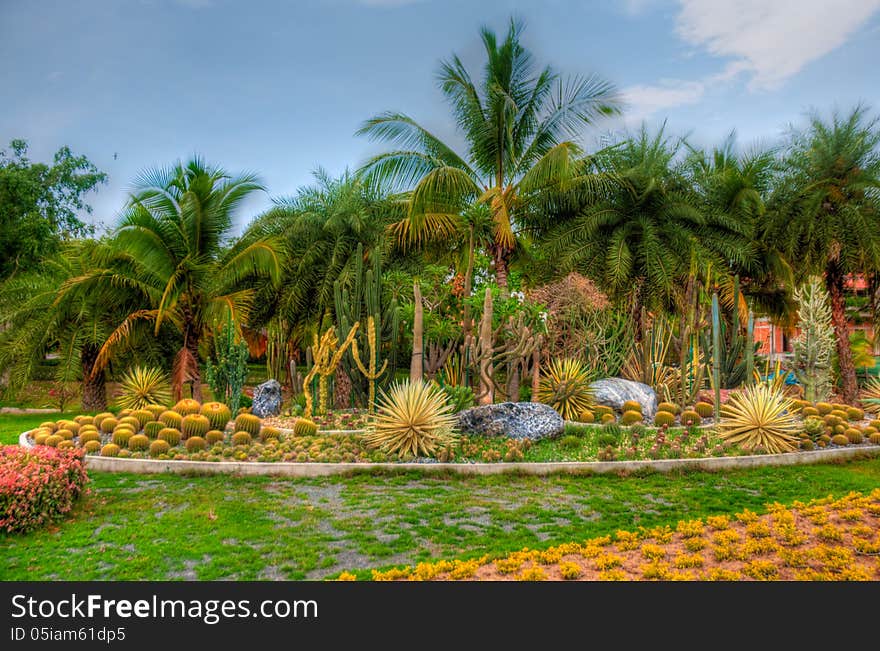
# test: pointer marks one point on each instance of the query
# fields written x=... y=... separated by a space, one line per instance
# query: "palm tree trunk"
x=501 y=262
x=834 y=283
x=94 y=389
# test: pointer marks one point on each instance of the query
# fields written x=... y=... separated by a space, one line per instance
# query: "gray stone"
x=614 y=391
x=516 y=420
x=267 y=399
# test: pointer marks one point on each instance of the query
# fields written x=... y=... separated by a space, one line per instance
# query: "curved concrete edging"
x=314 y=469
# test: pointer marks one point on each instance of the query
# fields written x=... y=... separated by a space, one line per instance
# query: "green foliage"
x=459 y=397
x=227 y=372
x=759 y=417
x=570 y=442
x=40 y=205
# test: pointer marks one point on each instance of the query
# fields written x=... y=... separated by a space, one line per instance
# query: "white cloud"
x=645 y=100
x=770 y=40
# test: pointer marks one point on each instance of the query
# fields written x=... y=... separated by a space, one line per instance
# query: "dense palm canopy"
x=518 y=122
x=648 y=229
x=825 y=212
x=171 y=247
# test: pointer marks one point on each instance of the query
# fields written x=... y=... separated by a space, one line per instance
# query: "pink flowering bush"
x=38 y=485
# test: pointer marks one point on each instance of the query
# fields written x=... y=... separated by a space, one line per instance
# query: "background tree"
x=516 y=121
x=40 y=204
x=824 y=214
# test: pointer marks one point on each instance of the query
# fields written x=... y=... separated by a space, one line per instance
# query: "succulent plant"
x=854 y=413
x=813 y=428
x=662 y=418
x=121 y=437
x=194 y=425
x=759 y=416
x=84 y=420
x=64 y=433
x=669 y=407
x=824 y=408
x=631 y=417
x=690 y=417
x=586 y=416
x=141 y=386
x=304 y=427
x=152 y=429
x=840 y=439
x=632 y=405
x=187 y=406
x=158 y=447
x=169 y=434
x=242 y=438
x=66 y=444
x=85 y=437
x=854 y=435
x=806 y=412
x=215 y=436
x=40 y=437
x=248 y=423
x=196 y=444
x=704 y=409
x=807 y=444
x=170 y=418
x=156 y=410
x=874 y=438
x=138 y=443
x=131 y=420
x=217 y=413
x=53 y=440
x=50 y=425
x=270 y=433
x=608 y=418
x=108 y=424
x=92 y=446
x=566 y=387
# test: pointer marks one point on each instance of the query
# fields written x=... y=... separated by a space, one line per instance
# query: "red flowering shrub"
x=38 y=485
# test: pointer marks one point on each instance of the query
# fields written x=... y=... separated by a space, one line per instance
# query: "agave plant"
x=142 y=386
x=566 y=387
x=760 y=415
x=871 y=396
x=413 y=418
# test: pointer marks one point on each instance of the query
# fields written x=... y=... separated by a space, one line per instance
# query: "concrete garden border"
x=315 y=469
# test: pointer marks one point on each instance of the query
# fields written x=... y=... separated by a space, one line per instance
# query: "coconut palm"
x=825 y=212
x=517 y=122
x=170 y=246
x=649 y=230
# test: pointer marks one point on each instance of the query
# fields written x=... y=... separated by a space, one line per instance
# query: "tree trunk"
x=486 y=393
x=417 y=363
x=94 y=389
x=501 y=262
x=341 y=388
x=834 y=282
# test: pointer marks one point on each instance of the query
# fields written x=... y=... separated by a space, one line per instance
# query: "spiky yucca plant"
x=760 y=416
x=566 y=387
x=413 y=418
x=871 y=396
x=142 y=386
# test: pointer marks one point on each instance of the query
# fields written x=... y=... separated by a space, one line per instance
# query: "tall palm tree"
x=517 y=122
x=825 y=212
x=50 y=310
x=170 y=246
x=649 y=230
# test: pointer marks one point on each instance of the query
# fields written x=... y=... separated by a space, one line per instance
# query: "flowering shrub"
x=38 y=485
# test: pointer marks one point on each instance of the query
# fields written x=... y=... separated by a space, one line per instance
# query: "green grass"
x=173 y=527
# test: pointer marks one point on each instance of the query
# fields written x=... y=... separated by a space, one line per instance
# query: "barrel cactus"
x=248 y=423
x=194 y=425
x=217 y=413
x=187 y=406
x=170 y=435
x=305 y=427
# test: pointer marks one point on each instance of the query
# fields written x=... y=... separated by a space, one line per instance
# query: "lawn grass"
x=177 y=527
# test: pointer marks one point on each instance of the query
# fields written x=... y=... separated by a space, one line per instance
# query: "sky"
x=280 y=87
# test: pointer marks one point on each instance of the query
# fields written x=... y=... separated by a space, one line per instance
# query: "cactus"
x=85 y=420
x=632 y=405
x=194 y=425
x=248 y=423
x=369 y=371
x=689 y=416
x=51 y=425
x=153 y=428
x=138 y=443
x=733 y=355
x=92 y=446
x=158 y=447
x=601 y=410
x=169 y=434
x=171 y=419
x=40 y=438
x=121 y=437
x=195 y=444
x=669 y=407
x=662 y=418
x=586 y=416
x=874 y=438
x=270 y=433
x=809 y=411
x=65 y=445
x=854 y=413
x=608 y=418
x=854 y=435
x=704 y=409
x=358 y=305
x=143 y=416
x=156 y=410
x=110 y=450
x=132 y=421
x=217 y=413
x=326 y=352
x=53 y=440
x=65 y=434
x=227 y=372
x=304 y=427
x=631 y=417
x=85 y=437
x=187 y=406
x=814 y=346
x=824 y=408
x=215 y=436
x=242 y=438
x=840 y=439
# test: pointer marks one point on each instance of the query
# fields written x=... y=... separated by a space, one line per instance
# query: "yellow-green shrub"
x=169 y=434
x=609 y=418
x=601 y=410
x=156 y=410
x=669 y=407
x=50 y=425
x=40 y=437
x=806 y=412
x=824 y=408
x=66 y=444
x=84 y=420
x=874 y=438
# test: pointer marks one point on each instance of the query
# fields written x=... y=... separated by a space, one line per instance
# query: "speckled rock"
x=614 y=391
x=267 y=399
x=516 y=420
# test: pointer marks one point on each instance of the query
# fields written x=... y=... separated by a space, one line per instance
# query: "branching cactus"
x=369 y=370
x=814 y=346
x=326 y=352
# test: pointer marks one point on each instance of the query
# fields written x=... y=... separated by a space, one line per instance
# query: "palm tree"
x=170 y=247
x=825 y=212
x=648 y=231
x=50 y=310
x=516 y=122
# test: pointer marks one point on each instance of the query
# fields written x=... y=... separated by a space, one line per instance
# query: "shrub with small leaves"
x=304 y=427
x=110 y=450
x=704 y=409
x=690 y=417
x=242 y=438
x=138 y=443
x=171 y=419
x=196 y=444
x=170 y=435
x=569 y=571
x=158 y=447
x=215 y=436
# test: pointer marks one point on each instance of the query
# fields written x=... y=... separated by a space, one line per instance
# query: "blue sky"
x=280 y=87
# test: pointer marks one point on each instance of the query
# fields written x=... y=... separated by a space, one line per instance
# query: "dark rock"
x=614 y=391
x=516 y=420
x=267 y=399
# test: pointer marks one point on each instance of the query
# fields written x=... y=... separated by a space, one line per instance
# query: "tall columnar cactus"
x=750 y=349
x=369 y=370
x=716 y=351
x=732 y=352
x=482 y=350
x=326 y=353
x=417 y=361
x=814 y=346
x=356 y=305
